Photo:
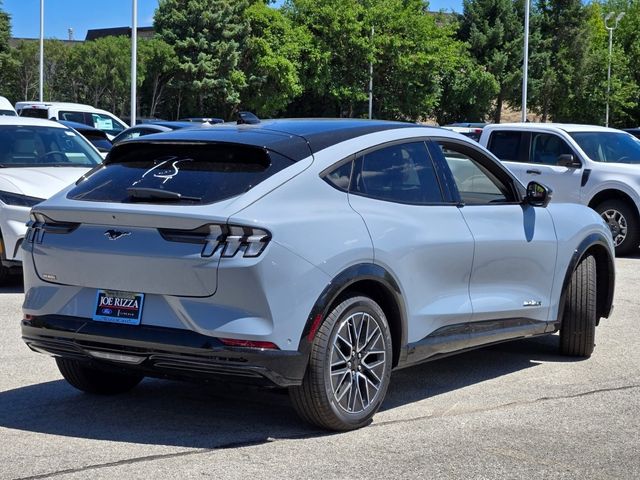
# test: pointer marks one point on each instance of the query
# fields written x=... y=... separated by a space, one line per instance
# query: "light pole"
x=134 y=61
x=41 y=96
x=611 y=29
x=371 y=80
x=525 y=64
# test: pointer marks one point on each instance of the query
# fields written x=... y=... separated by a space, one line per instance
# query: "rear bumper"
x=160 y=352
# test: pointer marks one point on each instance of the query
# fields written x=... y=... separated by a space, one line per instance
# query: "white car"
x=6 y=108
x=37 y=159
x=74 y=112
x=592 y=165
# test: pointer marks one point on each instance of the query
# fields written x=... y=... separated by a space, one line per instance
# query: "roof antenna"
x=247 y=118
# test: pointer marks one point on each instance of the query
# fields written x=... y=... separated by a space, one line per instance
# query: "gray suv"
x=316 y=255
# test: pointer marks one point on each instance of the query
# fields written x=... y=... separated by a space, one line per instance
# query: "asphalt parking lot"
x=516 y=410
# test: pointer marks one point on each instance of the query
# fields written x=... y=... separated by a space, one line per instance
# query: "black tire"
x=623 y=221
x=92 y=380
x=578 y=329
x=364 y=372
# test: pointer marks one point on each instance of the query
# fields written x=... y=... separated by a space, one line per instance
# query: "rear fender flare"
x=337 y=286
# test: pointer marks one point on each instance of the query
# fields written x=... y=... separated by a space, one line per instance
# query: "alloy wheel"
x=617 y=223
x=358 y=362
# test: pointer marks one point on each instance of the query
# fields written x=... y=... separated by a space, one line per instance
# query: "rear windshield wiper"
x=157 y=194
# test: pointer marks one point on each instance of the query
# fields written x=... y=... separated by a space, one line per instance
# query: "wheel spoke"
x=358 y=362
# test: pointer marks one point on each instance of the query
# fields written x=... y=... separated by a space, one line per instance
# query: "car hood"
x=39 y=182
x=626 y=168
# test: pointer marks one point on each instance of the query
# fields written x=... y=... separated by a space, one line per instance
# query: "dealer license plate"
x=118 y=307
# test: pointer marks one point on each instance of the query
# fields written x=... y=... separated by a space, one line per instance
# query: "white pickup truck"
x=592 y=165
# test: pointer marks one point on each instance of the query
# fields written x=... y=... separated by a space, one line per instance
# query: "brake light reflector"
x=234 y=342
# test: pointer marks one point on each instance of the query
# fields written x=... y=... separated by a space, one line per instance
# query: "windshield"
x=610 y=147
x=34 y=146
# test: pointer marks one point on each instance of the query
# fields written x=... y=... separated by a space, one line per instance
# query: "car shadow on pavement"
x=220 y=415
x=13 y=284
x=451 y=373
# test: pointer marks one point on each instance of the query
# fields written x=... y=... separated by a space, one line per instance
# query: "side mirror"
x=538 y=195
x=569 y=161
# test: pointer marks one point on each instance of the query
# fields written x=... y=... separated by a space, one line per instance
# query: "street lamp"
x=134 y=60
x=41 y=85
x=525 y=63
x=611 y=29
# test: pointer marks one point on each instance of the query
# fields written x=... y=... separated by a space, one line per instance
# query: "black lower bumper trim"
x=159 y=351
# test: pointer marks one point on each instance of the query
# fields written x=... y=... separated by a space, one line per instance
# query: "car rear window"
x=34 y=112
x=178 y=173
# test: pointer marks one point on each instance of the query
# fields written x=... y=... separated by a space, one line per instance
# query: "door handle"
x=534 y=172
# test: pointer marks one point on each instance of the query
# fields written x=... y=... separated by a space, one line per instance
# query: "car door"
x=535 y=156
x=515 y=243
x=418 y=234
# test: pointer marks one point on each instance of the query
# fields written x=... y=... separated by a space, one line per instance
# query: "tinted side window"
x=399 y=173
x=546 y=148
x=476 y=184
x=340 y=177
x=506 y=145
x=72 y=117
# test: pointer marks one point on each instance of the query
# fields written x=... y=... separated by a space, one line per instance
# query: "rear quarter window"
x=506 y=145
x=203 y=173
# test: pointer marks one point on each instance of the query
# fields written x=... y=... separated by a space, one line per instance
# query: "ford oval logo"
x=107 y=311
x=115 y=234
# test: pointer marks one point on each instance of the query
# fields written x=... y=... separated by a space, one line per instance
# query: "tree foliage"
x=494 y=31
x=313 y=58
x=206 y=36
x=271 y=60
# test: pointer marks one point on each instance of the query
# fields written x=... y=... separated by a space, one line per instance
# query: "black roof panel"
x=294 y=138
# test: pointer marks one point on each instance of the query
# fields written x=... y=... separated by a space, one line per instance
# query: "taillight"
x=226 y=239
x=234 y=342
x=40 y=224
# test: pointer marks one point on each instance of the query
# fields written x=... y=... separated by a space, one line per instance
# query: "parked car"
x=592 y=165
x=151 y=127
x=6 y=108
x=471 y=130
x=316 y=255
x=73 y=112
x=98 y=138
x=37 y=158
x=633 y=131
x=212 y=120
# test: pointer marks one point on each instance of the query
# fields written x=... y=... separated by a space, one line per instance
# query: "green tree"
x=5 y=30
x=271 y=60
x=22 y=71
x=494 y=30
x=558 y=57
x=468 y=93
x=158 y=66
x=206 y=36
x=625 y=76
x=416 y=58
x=6 y=62
x=57 y=70
x=101 y=73
x=336 y=62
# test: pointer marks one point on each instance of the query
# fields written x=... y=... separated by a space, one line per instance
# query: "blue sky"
x=82 y=15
